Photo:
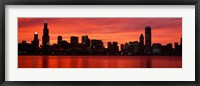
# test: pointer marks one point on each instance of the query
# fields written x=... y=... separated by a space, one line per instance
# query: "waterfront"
x=99 y=61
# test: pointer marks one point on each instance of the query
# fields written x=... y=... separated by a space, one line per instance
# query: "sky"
x=121 y=30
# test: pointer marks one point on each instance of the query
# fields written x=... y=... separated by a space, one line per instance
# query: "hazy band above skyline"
x=121 y=30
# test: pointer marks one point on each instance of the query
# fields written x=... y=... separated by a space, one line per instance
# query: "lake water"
x=99 y=61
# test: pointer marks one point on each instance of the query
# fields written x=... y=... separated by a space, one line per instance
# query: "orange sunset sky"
x=122 y=30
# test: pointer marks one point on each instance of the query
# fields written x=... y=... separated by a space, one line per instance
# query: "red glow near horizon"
x=121 y=30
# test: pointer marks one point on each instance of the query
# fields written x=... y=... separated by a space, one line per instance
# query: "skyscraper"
x=110 y=46
x=122 y=48
x=45 y=37
x=86 y=41
x=176 y=45
x=126 y=48
x=141 y=44
x=35 y=36
x=35 y=41
x=115 y=47
x=74 y=40
x=59 y=41
x=141 y=39
x=148 y=39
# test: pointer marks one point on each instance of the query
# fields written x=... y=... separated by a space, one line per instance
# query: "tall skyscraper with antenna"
x=45 y=37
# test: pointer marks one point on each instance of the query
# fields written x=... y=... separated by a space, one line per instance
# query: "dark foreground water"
x=99 y=61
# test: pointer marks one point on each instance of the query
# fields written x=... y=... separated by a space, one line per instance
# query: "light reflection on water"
x=99 y=61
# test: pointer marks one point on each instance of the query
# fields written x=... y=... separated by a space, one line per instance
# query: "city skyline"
x=109 y=34
x=96 y=46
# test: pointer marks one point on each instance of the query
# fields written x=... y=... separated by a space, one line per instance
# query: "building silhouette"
x=86 y=41
x=59 y=40
x=169 y=48
x=23 y=47
x=45 y=37
x=148 y=39
x=130 y=48
x=177 y=48
x=96 y=46
x=141 y=45
x=141 y=39
x=110 y=48
x=126 y=51
x=135 y=47
x=122 y=46
x=176 y=45
x=64 y=45
x=74 y=40
x=35 y=41
x=115 y=48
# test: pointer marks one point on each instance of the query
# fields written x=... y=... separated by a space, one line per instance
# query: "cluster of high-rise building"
x=96 y=47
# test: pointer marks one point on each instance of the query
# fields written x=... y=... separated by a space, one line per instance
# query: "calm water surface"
x=99 y=61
